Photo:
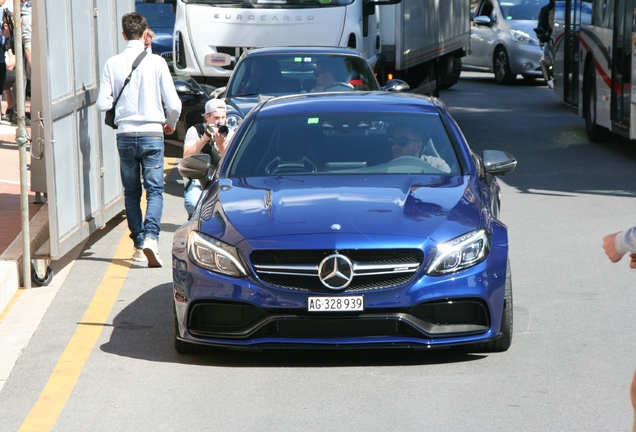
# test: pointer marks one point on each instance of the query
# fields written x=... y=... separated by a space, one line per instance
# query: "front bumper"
x=525 y=60
x=426 y=313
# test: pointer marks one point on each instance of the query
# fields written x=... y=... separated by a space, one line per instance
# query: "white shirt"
x=625 y=241
x=437 y=163
x=150 y=90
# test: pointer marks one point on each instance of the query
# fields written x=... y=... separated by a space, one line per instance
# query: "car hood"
x=436 y=207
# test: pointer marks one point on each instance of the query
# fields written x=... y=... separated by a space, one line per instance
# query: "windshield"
x=298 y=73
x=347 y=143
x=271 y=4
x=158 y=15
x=521 y=9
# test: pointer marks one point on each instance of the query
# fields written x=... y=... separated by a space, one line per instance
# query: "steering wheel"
x=279 y=167
x=409 y=164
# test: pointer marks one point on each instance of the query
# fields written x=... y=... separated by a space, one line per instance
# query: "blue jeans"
x=191 y=193
x=137 y=156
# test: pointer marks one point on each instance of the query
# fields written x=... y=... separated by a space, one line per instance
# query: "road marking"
x=4 y=312
x=63 y=379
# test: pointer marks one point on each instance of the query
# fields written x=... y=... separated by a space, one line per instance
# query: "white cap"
x=214 y=105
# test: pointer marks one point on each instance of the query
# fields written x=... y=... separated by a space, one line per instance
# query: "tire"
x=452 y=77
x=504 y=341
x=595 y=133
x=501 y=67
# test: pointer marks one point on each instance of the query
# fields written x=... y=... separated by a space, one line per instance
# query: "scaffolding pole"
x=22 y=139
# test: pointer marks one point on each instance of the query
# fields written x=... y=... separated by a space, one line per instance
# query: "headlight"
x=459 y=253
x=523 y=37
x=233 y=121
x=214 y=255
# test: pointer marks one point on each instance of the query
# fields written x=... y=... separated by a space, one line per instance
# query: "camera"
x=223 y=130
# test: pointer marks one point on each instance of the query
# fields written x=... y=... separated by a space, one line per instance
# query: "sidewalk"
x=11 y=249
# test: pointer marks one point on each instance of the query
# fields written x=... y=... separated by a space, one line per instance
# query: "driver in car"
x=325 y=79
x=407 y=140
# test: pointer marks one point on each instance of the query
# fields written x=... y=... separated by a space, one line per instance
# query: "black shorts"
x=9 y=80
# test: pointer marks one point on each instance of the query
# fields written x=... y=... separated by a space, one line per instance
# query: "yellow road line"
x=61 y=383
x=9 y=305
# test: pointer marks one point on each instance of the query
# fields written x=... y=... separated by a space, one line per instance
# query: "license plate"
x=335 y=304
x=218 y=59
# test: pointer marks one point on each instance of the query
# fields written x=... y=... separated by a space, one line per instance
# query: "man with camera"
x=208 y=137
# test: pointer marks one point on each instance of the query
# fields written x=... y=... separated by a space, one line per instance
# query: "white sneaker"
x=151 y=250
x=138 y=255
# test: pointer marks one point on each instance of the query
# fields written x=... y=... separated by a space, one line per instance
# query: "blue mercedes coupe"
x=342 y=220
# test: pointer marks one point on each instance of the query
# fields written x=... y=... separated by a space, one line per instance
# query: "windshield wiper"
x=244 y=3
x=304 y=2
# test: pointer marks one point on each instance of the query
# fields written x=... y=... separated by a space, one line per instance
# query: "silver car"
x=503 y=40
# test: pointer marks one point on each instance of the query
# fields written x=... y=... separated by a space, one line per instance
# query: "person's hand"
x=612 y=253
x=632 y=263
x=168 y=130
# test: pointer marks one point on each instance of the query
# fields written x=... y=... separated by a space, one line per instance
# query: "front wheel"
x=595 y=133
x=501 y=67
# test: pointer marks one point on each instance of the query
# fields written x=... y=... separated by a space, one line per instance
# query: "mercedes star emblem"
x=336 y=272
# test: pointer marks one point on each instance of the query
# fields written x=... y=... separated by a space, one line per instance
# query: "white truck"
x=419 y=41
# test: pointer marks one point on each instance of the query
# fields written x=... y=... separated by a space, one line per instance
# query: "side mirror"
x=195 y=167
x=185 y=89
x=396 y=85
x=483 y=20
x=218 y=93
x=498 y=163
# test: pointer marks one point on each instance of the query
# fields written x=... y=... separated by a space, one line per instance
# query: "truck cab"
x=210 y=35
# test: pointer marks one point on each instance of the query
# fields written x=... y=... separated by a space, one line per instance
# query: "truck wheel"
x=595 y=133
x=501 y=67
x=451 y=77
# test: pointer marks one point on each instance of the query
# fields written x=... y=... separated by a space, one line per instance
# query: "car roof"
x=360 y=101
x=313 y=50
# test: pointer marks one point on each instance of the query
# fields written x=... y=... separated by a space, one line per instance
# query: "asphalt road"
x=101 y=358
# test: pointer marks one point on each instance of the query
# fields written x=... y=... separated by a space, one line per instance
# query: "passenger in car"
x=266 y=77
x=408 y=140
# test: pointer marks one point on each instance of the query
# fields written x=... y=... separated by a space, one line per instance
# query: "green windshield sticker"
x=312 y=120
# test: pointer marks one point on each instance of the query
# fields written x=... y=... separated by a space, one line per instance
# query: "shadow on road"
x=143 y=330
x=560 y=159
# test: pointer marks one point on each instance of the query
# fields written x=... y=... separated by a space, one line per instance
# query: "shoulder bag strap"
x=138 y=60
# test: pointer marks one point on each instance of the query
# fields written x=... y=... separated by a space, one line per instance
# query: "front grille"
x=373 y=269
x=326 y=328
x=242 y=321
